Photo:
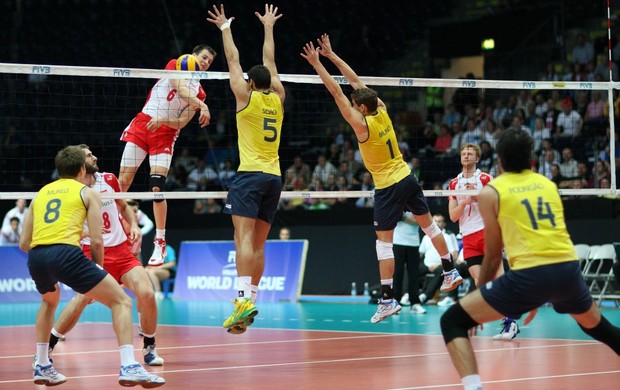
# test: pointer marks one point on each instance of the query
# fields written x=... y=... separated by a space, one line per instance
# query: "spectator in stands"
x=583 y=51
x=523 y=99
x=544 y=166
x=594 y=119
x=18 y=211
x=207 y=206
x=323 y=169
x=295 y=171
x=415 y=166
x=201 y=178
x=530 y=117
x=226 y=174
x=541 y=105
x=568 y=166
x=540 y=133
x=601 y=71
x=163 y=272
x=599 y=172
x=451 y=115
x=550 y=116
x=185 y=161
x=443 y=140
x=550 y=74
x=583 y=175
x=500 y=112
x=487 y=158
x=10 y=236
x=366 y=185
x=457 y=140
x=300 y=185
x=334 y=154
x=284 y=234
x=556 y=175
x=569 y=121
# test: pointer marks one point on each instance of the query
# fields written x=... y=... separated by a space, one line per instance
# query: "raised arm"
x=343 y=67
x=269 y=20
x=353 y=117
x=237 y=82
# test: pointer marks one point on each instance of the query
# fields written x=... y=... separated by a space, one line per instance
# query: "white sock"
x=243 y=286
x=160 y=233
x=471 y=382
x=254 y=292
x=127 y=355
x=387 y=282
x=56 y=333
x=42 y=357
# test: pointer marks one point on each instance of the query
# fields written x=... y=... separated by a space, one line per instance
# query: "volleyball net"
x=47 y=107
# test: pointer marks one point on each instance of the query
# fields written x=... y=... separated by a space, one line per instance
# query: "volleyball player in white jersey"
x=118 y=261
x=464 y=209
x=169 y=107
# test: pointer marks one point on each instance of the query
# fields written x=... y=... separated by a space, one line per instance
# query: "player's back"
x=531 y=217
x=114 y=234
x=380 y=151
x=259 y=126
x=58 y=213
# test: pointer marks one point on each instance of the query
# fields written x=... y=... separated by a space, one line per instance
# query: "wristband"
x=226 y=25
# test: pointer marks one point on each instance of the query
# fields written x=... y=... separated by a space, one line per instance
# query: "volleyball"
x=188 y=62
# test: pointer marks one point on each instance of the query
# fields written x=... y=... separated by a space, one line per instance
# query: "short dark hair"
x=14 y=219
x=69 y=161
x=514 y=149
x=198 y=48
x=367 y=97
x=261 y=76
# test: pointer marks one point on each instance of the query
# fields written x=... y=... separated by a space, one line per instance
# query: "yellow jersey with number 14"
x=380 y=151
x=58 y=214
x=531 y=216
x=259 y=125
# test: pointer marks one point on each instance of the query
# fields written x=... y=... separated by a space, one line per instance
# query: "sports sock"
x=387 y=289
x=127 y=356
x=447 y=263
x=42 y=356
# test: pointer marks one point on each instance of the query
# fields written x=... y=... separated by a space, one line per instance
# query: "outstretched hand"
x=326 y=46
x=218 y=17
x=311 y=54
x=270 y=16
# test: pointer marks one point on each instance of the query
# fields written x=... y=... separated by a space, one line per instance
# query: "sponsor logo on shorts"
x=228 y=206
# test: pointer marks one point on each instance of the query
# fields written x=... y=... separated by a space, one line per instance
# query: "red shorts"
x=154 y=142
x=473 y=245
x=118 y=260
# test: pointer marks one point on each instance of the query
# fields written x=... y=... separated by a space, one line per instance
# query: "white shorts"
x=133 y=156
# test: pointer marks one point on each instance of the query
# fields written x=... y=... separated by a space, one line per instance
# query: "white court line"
x=330 y=361
x=533 y=378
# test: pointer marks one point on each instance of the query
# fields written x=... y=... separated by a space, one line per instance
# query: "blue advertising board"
x=15 y=282
x=206 y=271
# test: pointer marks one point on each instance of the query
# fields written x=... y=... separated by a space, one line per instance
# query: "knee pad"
x=384 y=250
x=455 y=323
x=159 y=182
x=432 y=231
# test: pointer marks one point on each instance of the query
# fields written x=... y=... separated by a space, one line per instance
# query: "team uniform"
x=55 y=255
x=396 y=187
x=471 y=225
x=256 y=188
x=117 y=249
x=544 y=265
x=162 y=98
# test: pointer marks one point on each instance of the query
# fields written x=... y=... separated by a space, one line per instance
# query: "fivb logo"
x=341 y=80
x=529 y=85
x=468 y=83
x=200 y=75
x=121 y=72
x=585 y=85
x=406 y=82
x=41 y=69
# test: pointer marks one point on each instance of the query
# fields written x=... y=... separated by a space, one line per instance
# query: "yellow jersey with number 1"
x=58 y=214
x=531 y=216
x=380 y=151
x=259 y=125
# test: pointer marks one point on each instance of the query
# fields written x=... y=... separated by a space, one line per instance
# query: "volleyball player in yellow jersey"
x=522 y=211
x=51 y=235
x=396 y=187
x=255 y=191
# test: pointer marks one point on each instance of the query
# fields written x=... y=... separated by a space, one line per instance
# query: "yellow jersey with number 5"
x=380 y=151
x=531 y=217
x=58 y=214
x=259 y=125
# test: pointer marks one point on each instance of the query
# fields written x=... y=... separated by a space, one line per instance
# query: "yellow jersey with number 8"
x=380 y=151
x=259 y=125
x=531 y=217
x=58 y=214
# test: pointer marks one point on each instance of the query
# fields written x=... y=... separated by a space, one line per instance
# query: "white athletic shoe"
x=159 y=253
x=451 y=280
x=47 y=375
x=417 y=309
x=510 y=330
x=385 y=309
x=447 y=301
x=135 y=374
